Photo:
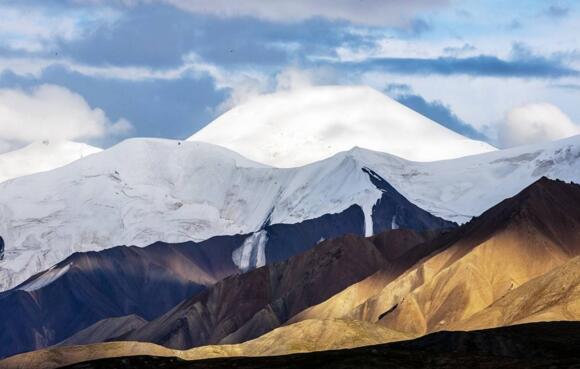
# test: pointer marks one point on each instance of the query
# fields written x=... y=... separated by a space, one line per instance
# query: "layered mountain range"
x=188 y=250
x=516 y=263
x=194 y=191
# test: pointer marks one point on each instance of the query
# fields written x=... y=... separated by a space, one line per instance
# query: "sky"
x=100 y=71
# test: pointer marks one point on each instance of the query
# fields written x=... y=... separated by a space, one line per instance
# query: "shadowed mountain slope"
x=88 y=287
x=244 y=307
x=105 y=329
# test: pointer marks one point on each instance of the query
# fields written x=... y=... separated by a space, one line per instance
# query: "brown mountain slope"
x=57 y=357
x=536 y=345
x=86 y=288
x=517 y=240
x=306 y=336
x=104 y=329
x=552 y=296
x=529 y=235
x=246 y=306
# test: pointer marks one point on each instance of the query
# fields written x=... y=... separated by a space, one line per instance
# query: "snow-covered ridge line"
x=147 y=190
x=40 y=157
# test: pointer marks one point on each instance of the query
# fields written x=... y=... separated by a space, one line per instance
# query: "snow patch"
x=368 y=213
x=252 y=253
x=394 y=224
x=40 y=157
x=45 y=279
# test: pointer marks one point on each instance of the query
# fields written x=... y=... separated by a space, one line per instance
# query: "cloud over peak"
x=535 y=123
x=53 y=112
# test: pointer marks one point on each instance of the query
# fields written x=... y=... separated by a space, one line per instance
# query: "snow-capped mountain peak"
x=41 y=156
x=297 y=127
x=146 y=190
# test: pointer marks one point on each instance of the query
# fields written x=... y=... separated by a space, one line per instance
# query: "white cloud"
x=242 y=83
x=535 y=123
x=294 y=77
x=368 y=12
x=33 y=29
x=192 y=64
x=482 y=101
x=242 y=92
x=52 y=112
x=290 y=78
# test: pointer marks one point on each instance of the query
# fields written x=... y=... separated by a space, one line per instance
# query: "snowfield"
x=146 y=190
x=40 y=157
x=298 y=127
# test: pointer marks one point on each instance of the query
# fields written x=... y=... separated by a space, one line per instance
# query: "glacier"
x=146 y=190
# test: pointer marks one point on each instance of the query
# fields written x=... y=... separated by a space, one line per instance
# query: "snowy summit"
x=41 y=156
x=294 y=128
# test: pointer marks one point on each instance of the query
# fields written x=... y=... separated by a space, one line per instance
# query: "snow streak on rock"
x=252 y=254
x=45 y=279
x=394 y=224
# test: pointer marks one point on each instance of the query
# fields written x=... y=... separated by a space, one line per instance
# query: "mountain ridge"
x=521 y=238
x=202 y=191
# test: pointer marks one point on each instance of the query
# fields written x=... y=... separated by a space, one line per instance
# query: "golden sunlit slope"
x=306 y=336
x=518 y=240
x=61 y=356
x=341 y=304
x=550 y=297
